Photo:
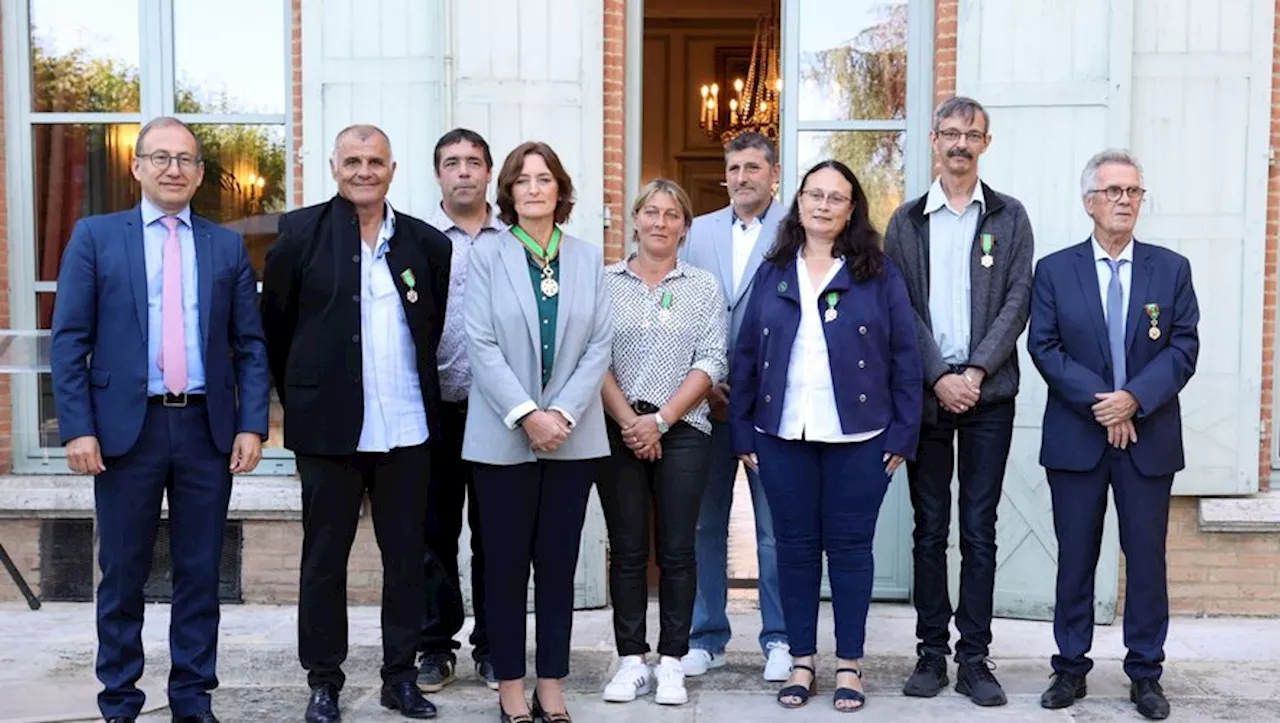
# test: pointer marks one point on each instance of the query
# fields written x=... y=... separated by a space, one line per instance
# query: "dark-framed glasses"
x=1113 y=193
x=952 y=136
x=160 y=160
x=834 y=198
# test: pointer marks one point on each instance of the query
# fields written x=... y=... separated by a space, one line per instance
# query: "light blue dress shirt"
x=393 y=412
x=154 y=234
x=951 y=235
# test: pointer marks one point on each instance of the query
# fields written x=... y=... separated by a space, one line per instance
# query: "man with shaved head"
x=353 y=305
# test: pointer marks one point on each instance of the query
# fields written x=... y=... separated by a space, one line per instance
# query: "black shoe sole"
x=437 y=686
x=962 y=687
x=912 y=691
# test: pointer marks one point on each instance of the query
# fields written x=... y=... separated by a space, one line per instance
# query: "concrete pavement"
x=1218 y=670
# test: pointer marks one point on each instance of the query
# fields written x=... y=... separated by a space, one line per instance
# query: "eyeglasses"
x=1113 y=193
x=161 y=160
x=951 y=136
x=833 y=199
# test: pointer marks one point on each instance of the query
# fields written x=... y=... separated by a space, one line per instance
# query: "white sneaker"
x=698 y=661
x=778 y=666
x=670 y=675
x=633 y=679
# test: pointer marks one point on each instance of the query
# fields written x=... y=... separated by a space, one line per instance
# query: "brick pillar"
x=1269 y=282
x=6 y=394
x=615 y=30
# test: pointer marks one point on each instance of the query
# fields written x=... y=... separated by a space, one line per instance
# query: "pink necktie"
x=173 y=338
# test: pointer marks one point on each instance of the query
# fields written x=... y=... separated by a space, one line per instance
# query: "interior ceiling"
x=707 y=9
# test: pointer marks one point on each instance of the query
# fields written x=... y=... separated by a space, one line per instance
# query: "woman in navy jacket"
x=826 y=399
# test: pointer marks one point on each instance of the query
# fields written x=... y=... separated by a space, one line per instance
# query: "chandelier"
x=754 y=105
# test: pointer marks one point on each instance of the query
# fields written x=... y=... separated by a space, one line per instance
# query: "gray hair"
x=967 y=108
x=166 y=121
x=361 y=131
x=1089 y=178
x=751 y=139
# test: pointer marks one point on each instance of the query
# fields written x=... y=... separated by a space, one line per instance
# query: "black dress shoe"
x=975 y=679
x=1065 y=690
x=1149 y=697
x=547 y=716
x=406 y=698
x=202 y=717
x=323 y=707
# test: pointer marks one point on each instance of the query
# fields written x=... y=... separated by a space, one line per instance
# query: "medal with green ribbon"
x=988 y=242
x=664 y=307
x=411 y=281
x=1153 y=313
x=830 y=315
x=550 y=287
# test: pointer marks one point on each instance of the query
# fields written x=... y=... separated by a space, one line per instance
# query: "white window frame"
x=156 y=75
x=920 y=98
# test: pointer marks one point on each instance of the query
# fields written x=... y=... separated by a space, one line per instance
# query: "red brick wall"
x=615 y=30
x=1269 y=284
x=944 y=48
x=296 y=51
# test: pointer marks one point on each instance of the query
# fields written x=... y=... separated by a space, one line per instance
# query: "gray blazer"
x=506 y=354
x=999 y=297
x=710 y=247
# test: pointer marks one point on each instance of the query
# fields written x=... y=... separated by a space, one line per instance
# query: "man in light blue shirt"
x=154 y=234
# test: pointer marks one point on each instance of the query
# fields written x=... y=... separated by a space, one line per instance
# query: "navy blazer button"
x=355 y=258
x=862 y=330
x=767 y=399
x=766 y=365
x=355 y=298
x=862 y=364
x=766 y=331
x=862 y=398
x=355 y=338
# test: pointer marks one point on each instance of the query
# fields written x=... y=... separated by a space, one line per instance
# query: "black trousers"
x=674 y=485
x=532 y=513
x=985 y=434
x=1079 y=507
x=452 y=486
x=332 y=491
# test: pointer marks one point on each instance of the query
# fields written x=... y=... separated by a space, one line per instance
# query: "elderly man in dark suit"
x=160 y=379
x=1113 y=332
x=966 y=253
x=353 y=300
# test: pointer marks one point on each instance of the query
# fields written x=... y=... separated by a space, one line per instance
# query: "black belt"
x=643 y=407
x=177 y=400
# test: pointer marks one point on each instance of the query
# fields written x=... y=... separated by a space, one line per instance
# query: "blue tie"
x=1115 y=323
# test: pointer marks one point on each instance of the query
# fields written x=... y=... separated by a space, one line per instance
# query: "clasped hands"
x=1115 y=410
x=958 y=393
x=641 y=435
x=546 y=430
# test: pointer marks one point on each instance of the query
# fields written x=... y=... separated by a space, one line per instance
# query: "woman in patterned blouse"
x=670 y=326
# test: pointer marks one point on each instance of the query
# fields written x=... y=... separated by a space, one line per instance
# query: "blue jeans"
x=710 y=629
x=826 y=498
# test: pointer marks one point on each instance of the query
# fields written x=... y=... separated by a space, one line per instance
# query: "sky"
x=222 y=46
x=818 y=32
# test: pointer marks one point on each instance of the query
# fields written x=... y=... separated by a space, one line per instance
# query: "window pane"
x=876 y=157
x=46 y=413
x=84 y=55
x=244 y=182
x=853 y=60
x=245 y=75
x=80 y=170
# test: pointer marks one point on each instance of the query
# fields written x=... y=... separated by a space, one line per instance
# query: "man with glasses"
x=966 y=253
x=1113 y=333
x=160 y=381
x=464 y=165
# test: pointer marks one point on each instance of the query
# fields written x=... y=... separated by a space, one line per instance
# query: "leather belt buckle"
x=176 y=401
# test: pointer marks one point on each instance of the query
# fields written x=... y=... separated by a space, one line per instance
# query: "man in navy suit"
x=161 y=385
x=1113 y=332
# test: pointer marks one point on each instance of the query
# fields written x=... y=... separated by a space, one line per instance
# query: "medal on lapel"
x=550 y=287
x=409 y=280
x=830 y=315
x=1153 y=313
x=988 y=242
x=664 y=312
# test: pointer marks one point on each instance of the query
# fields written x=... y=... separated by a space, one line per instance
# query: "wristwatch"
x=663 y=427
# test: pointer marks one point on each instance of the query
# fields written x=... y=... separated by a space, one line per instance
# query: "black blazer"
x=311 y=317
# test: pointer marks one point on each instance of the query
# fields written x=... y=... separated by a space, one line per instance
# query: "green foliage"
x=867 y=80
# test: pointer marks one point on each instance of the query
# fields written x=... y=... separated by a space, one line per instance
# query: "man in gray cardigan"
x=966 y=253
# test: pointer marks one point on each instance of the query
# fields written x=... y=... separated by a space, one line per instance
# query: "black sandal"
x=517 y=718
x=799 y=691
x=851 y=694
x=548 y=717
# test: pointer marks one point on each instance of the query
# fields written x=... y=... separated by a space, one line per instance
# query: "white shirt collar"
x=1100 y=253
x=386 y=232
x=938 y=197
x=152 y=213
x=442 y=221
